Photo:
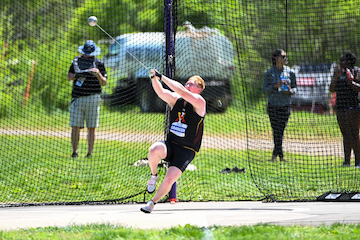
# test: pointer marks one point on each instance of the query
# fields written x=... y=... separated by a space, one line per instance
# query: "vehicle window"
x=115 y=48
x=315 y=68
x=145 y=54
x=136 y=52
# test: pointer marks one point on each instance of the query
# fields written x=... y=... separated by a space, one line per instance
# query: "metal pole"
x=170 y=67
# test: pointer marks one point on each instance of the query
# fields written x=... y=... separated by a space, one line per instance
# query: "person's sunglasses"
x=191 y=84
x=283 y=56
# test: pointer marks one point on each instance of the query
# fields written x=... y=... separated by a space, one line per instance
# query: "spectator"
x=279 y=83
x=89 y=74
x=345 y=82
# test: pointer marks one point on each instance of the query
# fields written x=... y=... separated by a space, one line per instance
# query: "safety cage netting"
x=228 y=43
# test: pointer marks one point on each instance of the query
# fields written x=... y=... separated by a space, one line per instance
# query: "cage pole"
x=170 y=68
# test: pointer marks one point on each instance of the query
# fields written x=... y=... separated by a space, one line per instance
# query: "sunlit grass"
x=40 y=169
x=335 y=231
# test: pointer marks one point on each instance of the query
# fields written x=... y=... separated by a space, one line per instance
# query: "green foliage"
x=50 y=32
x=51 y=35
x=14 y=70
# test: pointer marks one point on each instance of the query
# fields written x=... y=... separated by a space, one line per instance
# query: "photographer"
x=345 y=82
x=89 y=74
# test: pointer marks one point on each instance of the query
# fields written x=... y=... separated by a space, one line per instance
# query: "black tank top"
x=186 y=126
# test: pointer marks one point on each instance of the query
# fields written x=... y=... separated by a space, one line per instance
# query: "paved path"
x=166 y=215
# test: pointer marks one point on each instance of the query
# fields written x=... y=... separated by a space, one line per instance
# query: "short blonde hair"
x=199 y=81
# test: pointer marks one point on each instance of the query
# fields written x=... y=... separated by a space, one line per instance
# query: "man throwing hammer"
x=188 y=109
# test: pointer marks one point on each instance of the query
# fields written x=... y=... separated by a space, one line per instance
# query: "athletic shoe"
x=149 y=207
x=151 y=184
x=345 y=164
x=273 y=159
x=225 y=170
x=282 y=160
x=75 y=155
x=89 y=155
x=357 y=166
x=238 y=170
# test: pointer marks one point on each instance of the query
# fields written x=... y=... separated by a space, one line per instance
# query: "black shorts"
x=178 y=156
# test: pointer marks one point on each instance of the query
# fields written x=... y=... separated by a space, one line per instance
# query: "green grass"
x=335 y=231
x=40 y=169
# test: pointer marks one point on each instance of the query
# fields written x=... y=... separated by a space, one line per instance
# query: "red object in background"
x=3 y=55
x=305 y=81
x=333 y=100
x=27 y=92
x=348 y=73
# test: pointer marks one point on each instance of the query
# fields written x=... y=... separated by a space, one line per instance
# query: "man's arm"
x=165 y=94
x=194 y=99
x=334 y=79
x=293 y=83
x=268 y=88
x=96 y=72
x=70 y=76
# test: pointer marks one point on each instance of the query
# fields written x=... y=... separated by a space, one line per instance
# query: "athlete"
x=188 y=109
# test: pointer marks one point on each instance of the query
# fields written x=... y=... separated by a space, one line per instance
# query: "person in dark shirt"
x=188 y=109
x=345 y=82
x=89 y=75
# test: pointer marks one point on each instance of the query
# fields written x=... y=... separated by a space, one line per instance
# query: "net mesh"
x=229 y=43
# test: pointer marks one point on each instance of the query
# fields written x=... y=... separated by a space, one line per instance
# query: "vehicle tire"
x=148 y=101
x=159 y=105
x=220 y=104
x=123 y=95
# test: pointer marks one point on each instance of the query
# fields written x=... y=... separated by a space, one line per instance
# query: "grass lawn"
x=40 y=169
x=336 y=231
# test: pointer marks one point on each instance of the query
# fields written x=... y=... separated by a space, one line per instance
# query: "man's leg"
x=75 y=135
x=344 y=128
x=353 y=121
x=171 y=176
x=273 y=122
x=356 y=140
x=91 y=140
x=157 y=151
x=91 y=112
x=283 y=120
